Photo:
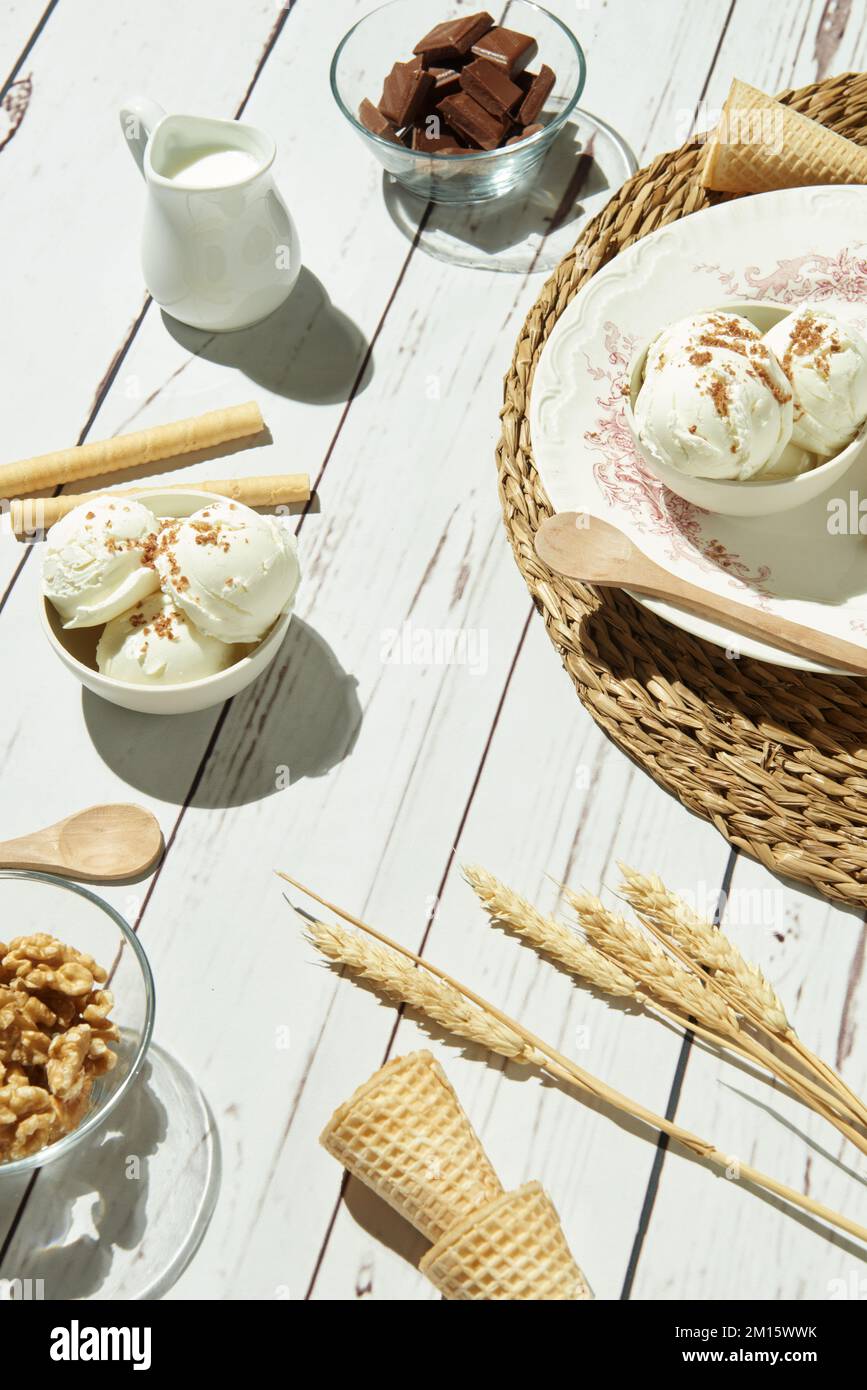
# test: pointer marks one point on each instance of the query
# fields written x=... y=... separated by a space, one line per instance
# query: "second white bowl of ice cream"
x=750 y=426
x=172 y=618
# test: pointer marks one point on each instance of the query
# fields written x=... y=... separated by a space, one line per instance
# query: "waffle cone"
x=512 y=1249
x=761 y=144
x=404 y=1134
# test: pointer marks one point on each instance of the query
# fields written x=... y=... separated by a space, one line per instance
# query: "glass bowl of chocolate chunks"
x=465 y=109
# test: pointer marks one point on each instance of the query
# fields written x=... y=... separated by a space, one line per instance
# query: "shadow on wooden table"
x=390 y=1228
x=384 y=1225
x=299 y=719
x=307 y=350
x=528 y=229
x=123 y=1215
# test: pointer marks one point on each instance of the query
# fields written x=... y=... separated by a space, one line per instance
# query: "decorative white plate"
x=810 y=564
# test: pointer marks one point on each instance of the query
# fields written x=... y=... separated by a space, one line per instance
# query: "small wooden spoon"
x=103 y=843
x=583 y=547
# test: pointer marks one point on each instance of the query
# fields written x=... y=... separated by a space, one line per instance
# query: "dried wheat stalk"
x=674 y=992
x=549 y=936
x=708 y=946
x=642 y=958
x=408 y=985
x=387 y=970
x=742 y=983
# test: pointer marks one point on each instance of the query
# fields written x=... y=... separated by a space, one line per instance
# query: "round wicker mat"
x=776 y=758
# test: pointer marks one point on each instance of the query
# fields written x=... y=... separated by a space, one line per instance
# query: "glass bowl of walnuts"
x=76 y=1016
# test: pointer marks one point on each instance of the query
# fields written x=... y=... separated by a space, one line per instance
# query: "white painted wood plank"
x=19 y=20
x=809 y=40
x=557 y=798
x=814 y=954
x=71 y=199
x=306 y=358
x=642 y=73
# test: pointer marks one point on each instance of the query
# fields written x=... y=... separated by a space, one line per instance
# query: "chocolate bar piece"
x=508 y=48
x=473 y=122
x=373 y=120
x=404 y=94
x=448 y=43
x=431 y=139
x=525 y=134
x=491 y=87
x=537 y=87
x=447 y=81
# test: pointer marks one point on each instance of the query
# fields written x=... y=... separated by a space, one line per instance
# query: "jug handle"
x=138 y=119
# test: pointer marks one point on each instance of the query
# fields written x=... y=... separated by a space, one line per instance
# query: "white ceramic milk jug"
x=220 y=250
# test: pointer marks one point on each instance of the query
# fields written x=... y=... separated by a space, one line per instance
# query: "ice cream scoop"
x=714 y=402
x=791 y=463
x=232 y=571
x=97 y=561
x=825 y=360
x=155 y=643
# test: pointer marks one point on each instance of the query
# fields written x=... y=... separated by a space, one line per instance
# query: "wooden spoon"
x=583 y=547
x=103 y=843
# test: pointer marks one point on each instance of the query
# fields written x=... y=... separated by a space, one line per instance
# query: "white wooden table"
x=384 y=382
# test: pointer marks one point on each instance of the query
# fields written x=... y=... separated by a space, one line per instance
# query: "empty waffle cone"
x=761 y=144
x=404 y=1134
x=513 y=1249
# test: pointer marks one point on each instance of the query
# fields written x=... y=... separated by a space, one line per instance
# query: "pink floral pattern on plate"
x=842 y=278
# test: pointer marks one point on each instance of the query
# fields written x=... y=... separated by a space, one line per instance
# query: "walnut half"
x=55 y=1032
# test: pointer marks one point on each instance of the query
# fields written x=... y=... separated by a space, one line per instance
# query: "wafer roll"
x=404 y=1134
x=761 y=144
x=511 y=1249
x=130 y=450
x=32 y=515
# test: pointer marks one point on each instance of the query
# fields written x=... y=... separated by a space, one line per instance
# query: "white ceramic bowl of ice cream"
x=126 y=650
x=753 y=496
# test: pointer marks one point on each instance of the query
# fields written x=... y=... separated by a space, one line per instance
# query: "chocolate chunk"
x=447 y=81
x=449 y=42
x=429 y=139
x=404 y=93
x=373 y=120
x=472 y=121
x=525 y=134
x=491 y=87
x=537 y=87
x=506 y=47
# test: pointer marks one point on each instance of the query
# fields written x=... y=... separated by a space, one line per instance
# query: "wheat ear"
x=829 y=1103
x=562 y=945
x=743 y=983
x=664 y=978
x=554 y=1062
x=547 y=935
x=680 y=984
x=409 y=985
x=707 y=945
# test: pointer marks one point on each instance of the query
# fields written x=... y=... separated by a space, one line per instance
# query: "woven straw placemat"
x=777 y=759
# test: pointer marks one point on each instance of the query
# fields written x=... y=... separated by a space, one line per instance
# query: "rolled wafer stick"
x=31 y=515
x=130 y=450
